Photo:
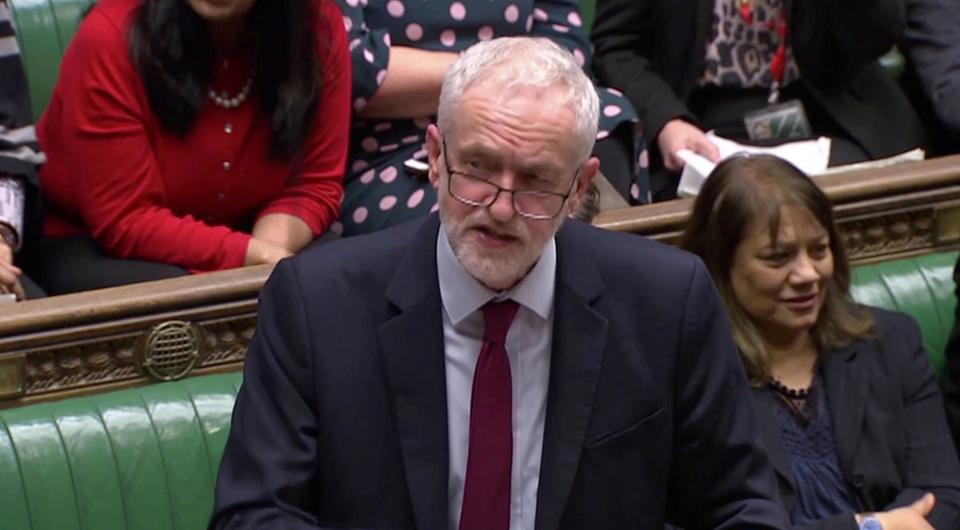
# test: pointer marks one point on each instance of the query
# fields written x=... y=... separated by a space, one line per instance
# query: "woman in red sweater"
x=193 y=135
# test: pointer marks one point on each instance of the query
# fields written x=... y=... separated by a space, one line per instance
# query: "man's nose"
x=501 y=209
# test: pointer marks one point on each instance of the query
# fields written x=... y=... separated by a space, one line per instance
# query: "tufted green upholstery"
x=921 y=287
x=44 y=29
x=140 y=459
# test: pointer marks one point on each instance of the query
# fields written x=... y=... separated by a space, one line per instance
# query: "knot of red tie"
x=497 y=317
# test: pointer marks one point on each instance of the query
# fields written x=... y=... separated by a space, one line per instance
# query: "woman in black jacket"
x=688 y=66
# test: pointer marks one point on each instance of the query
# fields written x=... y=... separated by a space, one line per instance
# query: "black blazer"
x=341 y=420
x=892 y=438
x=654 y=51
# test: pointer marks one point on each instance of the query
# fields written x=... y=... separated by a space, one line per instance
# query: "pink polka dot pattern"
x=512 y=13
x=381 y=75
x=369 y=144
x=574 y=19
x=389 y=147
x=386 y=39
x=336 y=228
x=415 y=198
x=611 y=111
x=359 y=104
x=615 y=92
x=559 y=28
x=448 y=38
x=347 y=24
x=422 y=122
x=635 y=191
x=353 y=3
x=359 y=165
x=644 y=159
x=388 y=202
x=414 y=32
x=539 y=14
x=360 y=215
x=434 y=208
x=354 y=43
x=529 y=23
x=578 y=56
x=420 y=155
x=389 y=174
x=485 y=33
x=458 y=11
x=382 y=126
x=602 y=134
x=409 y=139
x=368 y=55
x=395 y=8
x=367 y=176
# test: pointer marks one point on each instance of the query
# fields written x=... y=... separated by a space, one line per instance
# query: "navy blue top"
x=812 y=451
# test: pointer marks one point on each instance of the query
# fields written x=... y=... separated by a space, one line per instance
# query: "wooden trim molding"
x=99 y=340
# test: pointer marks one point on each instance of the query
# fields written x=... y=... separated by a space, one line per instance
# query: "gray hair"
x=523 y=62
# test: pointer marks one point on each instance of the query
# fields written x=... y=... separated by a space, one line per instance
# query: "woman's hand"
x=678 y=134
x=913 y=517
x=10 y=273
x=260 y=252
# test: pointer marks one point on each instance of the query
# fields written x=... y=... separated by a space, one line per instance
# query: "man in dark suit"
x=496 y=366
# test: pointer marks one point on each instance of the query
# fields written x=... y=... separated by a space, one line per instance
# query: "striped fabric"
x=19 y=153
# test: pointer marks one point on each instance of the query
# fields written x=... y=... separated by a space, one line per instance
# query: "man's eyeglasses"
x=477 y=191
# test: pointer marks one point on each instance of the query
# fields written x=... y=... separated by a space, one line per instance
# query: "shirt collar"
x=462 y=294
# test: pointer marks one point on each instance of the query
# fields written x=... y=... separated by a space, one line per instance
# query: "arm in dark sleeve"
x=268 y=474
x=722 y=477
x=622 y=39
x=833 y=40
x=930 y=462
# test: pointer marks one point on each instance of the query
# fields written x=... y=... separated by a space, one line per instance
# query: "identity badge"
x=783 y=121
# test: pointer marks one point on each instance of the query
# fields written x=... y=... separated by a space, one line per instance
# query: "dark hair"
x=740 y=190
x=172 y=50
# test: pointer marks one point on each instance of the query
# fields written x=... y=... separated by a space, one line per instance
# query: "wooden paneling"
x=88 y=342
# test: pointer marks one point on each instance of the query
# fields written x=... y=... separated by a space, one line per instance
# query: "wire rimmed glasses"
x=477 y=191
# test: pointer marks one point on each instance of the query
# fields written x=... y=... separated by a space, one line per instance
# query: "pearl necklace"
x=224 y=101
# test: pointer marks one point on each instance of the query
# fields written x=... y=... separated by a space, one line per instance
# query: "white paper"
x=810 y=156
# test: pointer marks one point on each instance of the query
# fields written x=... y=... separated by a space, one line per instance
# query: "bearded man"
x=496 y=366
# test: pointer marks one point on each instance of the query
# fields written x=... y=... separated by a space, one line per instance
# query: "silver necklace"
x=224 y=100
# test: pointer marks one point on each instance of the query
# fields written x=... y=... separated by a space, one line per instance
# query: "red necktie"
x=486 y=490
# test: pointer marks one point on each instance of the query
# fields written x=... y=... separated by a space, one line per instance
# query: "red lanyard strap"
x=778 y=65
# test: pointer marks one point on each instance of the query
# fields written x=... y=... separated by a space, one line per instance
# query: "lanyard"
x=778 y=65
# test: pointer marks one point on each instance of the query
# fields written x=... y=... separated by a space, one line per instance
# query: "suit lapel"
x=846 y=397
x=413 y=353
x=578 y=343
x=773 y=439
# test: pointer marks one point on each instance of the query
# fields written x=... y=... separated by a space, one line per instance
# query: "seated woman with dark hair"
x=850 y=411
x=193 y=135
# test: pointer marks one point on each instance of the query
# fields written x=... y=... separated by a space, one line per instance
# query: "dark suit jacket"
x=654 y=51
x=341 y=420
x=892 y=439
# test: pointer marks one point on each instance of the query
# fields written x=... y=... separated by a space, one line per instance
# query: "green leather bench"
x=147 y=458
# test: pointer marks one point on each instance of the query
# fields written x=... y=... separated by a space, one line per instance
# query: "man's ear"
x=588 y=170
x=434 y=140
